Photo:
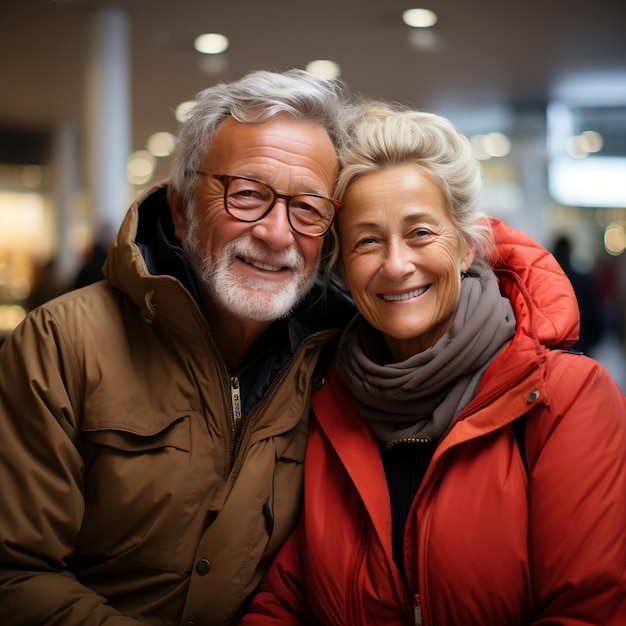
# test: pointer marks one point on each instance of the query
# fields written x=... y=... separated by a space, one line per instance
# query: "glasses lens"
x=247 y=200
x=310 y=215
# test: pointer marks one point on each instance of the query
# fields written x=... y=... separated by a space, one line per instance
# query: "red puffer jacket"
x=484 y=544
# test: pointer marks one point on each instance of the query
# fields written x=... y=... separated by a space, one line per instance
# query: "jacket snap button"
x=532 y=396
x=318 y=381
x=203 y=567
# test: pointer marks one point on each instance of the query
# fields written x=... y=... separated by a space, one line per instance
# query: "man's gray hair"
x=256 y=98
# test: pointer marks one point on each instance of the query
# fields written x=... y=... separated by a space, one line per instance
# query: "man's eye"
x=246 y=198
x=303 y=207
x=246 y=193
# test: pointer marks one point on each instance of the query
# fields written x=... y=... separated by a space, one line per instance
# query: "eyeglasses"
x=250 y=200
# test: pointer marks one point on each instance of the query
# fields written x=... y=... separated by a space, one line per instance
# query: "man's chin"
x=261 y=305
x=254 y=297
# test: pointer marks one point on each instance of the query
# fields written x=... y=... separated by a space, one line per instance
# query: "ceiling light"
x=161 y=144
x=576 y=147
x=615 y=239
x=210 y=43
x=579 y=146
x=478 y=148
x=419 y=18
x=497 y=144
x=183 y=109
x=592 y=140
x=323 y=68
x=490 y=146
x=140 y=167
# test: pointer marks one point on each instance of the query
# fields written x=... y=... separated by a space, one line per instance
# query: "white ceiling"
x=487 y=52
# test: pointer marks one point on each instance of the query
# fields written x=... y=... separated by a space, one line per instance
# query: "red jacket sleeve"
x=577 y=526
x=281 y=598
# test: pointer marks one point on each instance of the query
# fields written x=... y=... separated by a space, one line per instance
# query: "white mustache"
x=263 y=258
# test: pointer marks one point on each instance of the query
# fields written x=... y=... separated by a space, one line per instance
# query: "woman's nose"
x=398 y=262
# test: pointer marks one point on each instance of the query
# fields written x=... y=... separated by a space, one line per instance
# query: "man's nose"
x=274 y=229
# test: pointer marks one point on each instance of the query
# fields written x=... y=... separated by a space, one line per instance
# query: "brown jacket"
x=125 y=498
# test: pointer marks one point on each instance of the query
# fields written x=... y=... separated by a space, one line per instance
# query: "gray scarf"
x=420 y=397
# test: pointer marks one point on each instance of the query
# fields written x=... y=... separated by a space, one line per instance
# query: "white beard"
x=246 y=297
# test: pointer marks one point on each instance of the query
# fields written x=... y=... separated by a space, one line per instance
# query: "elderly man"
x=153 y=425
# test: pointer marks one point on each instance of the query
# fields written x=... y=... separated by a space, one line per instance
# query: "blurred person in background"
x=153 y=425
x=46 y=284
x=463 y=467
x=94 y=257
x=587 y=294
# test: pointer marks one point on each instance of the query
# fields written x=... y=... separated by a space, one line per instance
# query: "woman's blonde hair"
x=383 y=135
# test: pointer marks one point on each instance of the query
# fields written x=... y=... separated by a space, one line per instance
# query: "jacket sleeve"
x=577 y=534
x=281 y=599
x=41 y=473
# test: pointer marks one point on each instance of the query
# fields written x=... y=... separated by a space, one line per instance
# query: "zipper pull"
x=418 y=611
x=235 y=398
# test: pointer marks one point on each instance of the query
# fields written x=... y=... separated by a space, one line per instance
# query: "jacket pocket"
x=136 y=479
x=128 y=436
x=291 y=446
x=281 y=509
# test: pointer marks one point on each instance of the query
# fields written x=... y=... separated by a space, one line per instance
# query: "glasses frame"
x=226 y=179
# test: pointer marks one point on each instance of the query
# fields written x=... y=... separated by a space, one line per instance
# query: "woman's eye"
x=421 y=232
x=365 y=241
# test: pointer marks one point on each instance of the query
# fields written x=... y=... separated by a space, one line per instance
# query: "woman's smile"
x=402 y=297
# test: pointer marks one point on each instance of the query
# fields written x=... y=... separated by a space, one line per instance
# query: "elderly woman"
x=463 y=468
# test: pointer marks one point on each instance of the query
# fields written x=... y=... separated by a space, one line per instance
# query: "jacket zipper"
x=235 y=398
x=418 y=610
x=237 y=418
x=239 y=430
x=356 y=570
x=420 y=573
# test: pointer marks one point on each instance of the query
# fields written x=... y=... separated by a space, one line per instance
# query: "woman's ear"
x=467 y=258
x=179 y=215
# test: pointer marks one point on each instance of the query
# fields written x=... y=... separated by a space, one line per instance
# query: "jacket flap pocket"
x=291 y=445
x=114 y=429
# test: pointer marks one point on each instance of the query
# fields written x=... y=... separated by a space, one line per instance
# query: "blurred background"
x=92 y=93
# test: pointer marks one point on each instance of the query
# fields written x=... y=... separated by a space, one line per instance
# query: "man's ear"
x=179 y=217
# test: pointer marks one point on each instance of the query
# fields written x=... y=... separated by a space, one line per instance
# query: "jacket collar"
x=147 y=263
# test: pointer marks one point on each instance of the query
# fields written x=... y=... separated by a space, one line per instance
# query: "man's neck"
x=234 y=337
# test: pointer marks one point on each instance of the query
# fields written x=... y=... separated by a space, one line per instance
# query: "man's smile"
x=263 y=266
